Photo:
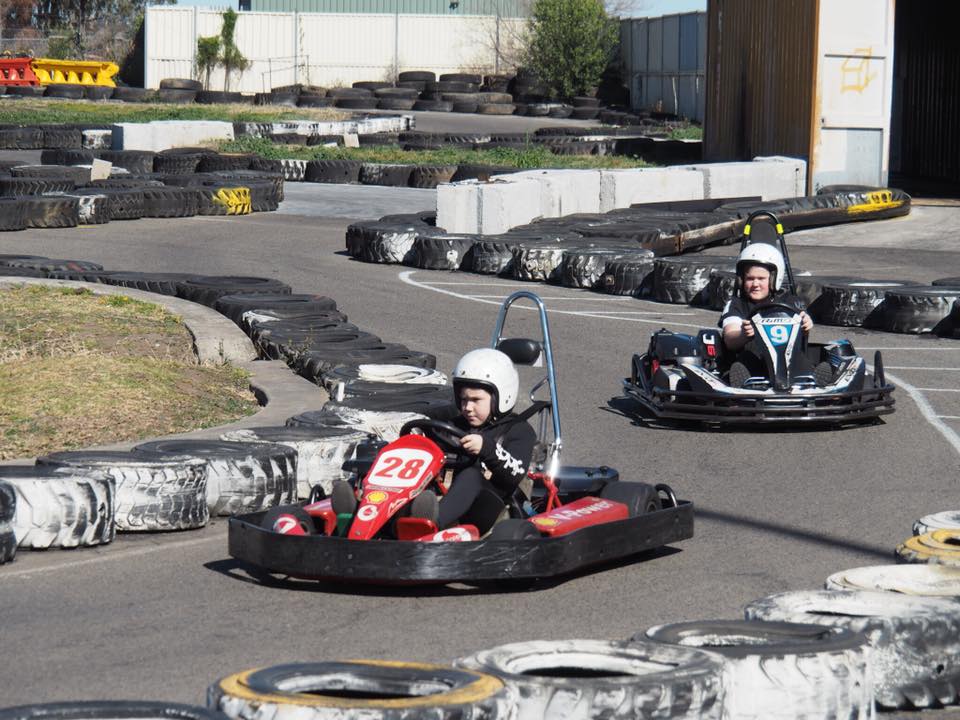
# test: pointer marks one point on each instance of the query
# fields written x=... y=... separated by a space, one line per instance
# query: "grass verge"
x=78 y=369
x=39 y=111
x=532 y=156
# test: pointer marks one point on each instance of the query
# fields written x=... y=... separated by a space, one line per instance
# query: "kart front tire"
x=514 y=529
x=639 y=498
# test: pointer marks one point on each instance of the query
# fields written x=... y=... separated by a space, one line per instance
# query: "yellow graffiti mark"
x=856 y=73
x=877 y=200
x=236 y=200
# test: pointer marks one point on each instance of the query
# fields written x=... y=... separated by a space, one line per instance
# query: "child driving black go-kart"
x=760 y=281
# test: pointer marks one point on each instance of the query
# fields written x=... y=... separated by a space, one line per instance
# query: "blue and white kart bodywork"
x=683 y=377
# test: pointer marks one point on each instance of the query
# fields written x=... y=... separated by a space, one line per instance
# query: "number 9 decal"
x=778 y=334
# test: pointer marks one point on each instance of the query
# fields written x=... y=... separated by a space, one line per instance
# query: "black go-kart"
x=686 y=377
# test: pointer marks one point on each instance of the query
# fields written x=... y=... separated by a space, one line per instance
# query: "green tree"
x=208 y=57
x=231 y=58
x=570 y=42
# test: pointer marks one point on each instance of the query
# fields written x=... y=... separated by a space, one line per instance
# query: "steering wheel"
x=447 y=436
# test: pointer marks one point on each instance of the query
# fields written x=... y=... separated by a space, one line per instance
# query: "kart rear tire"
x=602 y=679
x=782 y=670
x=915 y=640
x=514 y=529
x=639 y=498
x=331 y=690
x=295 y=511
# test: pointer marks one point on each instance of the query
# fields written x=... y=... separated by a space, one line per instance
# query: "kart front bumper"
x=763 y=408
x=395 y=562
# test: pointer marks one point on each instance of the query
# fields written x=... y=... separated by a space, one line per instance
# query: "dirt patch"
x=78 y=369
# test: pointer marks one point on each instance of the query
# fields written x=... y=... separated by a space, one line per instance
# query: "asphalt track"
x=162 y=616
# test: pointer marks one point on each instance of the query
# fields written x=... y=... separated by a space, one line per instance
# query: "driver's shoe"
x=426 y=506
x=739 y=374
x=343 y=499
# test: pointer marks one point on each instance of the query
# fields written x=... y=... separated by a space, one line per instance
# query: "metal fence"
x=328 y=49
x=664 y=63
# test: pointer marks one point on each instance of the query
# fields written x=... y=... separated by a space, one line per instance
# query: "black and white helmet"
x=492 y=371
x=765 y=255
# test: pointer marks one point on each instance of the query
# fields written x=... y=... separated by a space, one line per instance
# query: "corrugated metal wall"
x=325 y=49
x=664 y=63
x=926 y=114
x=761 y=60
x=507 y=8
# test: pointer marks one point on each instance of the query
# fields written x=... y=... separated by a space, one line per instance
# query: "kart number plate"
x=400 y=468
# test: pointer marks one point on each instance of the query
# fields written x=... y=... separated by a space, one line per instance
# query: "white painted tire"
x=537 y=262
x=920 y=579
x=384 y=373
x=385 y=425
x=56 y=509
x=941 y=547
x=782 y=670
x=580 y=679
x=320 y=451
x=159 y=494
x=946 y=520
x=915 y=640
x=335 y=691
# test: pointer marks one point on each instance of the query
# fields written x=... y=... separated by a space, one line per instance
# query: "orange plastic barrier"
x=17 y=71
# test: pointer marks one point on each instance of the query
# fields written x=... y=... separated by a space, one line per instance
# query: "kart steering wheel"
x=447 y=436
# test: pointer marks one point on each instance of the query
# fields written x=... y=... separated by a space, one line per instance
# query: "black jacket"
x=507 y=449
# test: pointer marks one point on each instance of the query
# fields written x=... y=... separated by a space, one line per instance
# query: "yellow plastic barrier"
x=235 y=201
x=75 y=72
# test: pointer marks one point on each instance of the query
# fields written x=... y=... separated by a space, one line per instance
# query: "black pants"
x=466 y=486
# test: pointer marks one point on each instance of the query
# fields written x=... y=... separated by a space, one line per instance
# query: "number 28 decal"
x=400 y=468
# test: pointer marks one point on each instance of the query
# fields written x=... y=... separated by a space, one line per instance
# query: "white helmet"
x=765 y=255
x=492 y=371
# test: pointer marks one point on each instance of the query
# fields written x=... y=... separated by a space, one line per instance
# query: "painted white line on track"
x=405 y=277
x=640 y=312
x=949 y=417
x=908 y=367
x=547 y=297
x=915 y=393
x=108 y=557
x=925 y=349
x=939 y=389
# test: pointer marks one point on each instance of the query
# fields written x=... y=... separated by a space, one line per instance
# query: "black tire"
x=161 y=283
x=206 y=290
x=218 y=97
x=514 y=529
x=467 y=171
x=315 y=363
x=64 y=90
x=51 y=211
x=720 y=289
x=109 y=710
x=137 y=162
x=374 y=690
x=76 y=175
x=321 y=452
x=241 y=477
x=24 y=187
x=236 y=307
x=357 y=103
x=496 y=108
x=67 y=157
x=333 y=171
x=390 y=175
x=639 y=498
x=914 y=640
x=585 y=113
x=11 y=214
x=492 y=257
x=442 y=252
x=151 y=495
x=169 y=95
x=121 y=204
x=60 y=137
x=315 y=101
x=289 y=339
x=585 y=267
x=681 y=279
x=131 y=94
x=417 y=76
x=177 y=163
x=225 y=162
x=464 y=107
x=48 y=265
x=853 y=304
x=296 y=512
x=181 y=84
x=26 y=90
x=433 y=106
x=812 y=670
x=629 y=277
x=429 y=176
x=407 y=93
x=93 y=207
x=919 y=309
x=604 y=677
x=396 y=103
x=948 y=282
x=57 y=509
x=97 y=92
x=21 y=138
x=8 y=510
x=170 y=202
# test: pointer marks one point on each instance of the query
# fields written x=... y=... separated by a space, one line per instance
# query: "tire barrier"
x=8 y=510
x=853 y=304
x=159 y=494
x=369 y=689
x=337 y=380
x=241 y=477
x=109 y=710
x=321 y=451
x=60 y=509
x=921 y=579
x=245 y=309
x=682 y=279
x=939 y=546
x=383 y=424
x=946 y=520
x=915 y=641
x=782 y=670
x=920 y=309
x=592 y=679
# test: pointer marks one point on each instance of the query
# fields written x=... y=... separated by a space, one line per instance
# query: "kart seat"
x=522 y=351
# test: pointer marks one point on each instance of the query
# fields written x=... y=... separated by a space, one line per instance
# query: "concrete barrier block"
x=132 y=136
x=770 y=178
x=787 y=173
x=458 y=206
x=623 y=188
x=565 y=192
x=164 y=134
x=506 y=203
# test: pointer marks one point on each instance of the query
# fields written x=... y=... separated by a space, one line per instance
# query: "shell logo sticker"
x=546 y=522
x=376 y=497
